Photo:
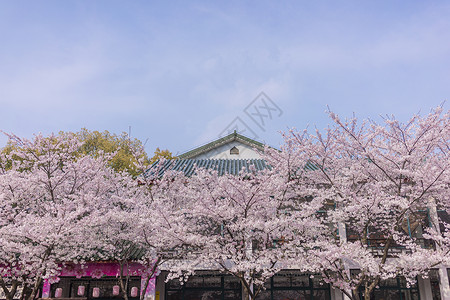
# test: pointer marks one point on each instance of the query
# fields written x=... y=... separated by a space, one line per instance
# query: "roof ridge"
x=223 y=140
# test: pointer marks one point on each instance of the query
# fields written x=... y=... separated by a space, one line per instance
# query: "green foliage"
x=96 y=143
x=6 y=164
x=125 y=149
x=161 y=154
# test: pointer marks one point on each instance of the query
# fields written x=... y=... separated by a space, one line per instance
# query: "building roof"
x=189 y=161
x=222 y=166
x=222 y=141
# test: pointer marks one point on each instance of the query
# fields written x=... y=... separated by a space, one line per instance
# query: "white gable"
x=232 y=146
x=223 y=152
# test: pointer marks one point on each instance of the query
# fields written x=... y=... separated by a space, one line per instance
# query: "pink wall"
x=99 y=270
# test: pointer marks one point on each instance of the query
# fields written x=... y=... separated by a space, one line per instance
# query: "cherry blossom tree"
x=114 y=235
x=49 y=194
x=375 y=183
x=241 y=226
x=162 y=227
x=354 y=203
x=146 y=224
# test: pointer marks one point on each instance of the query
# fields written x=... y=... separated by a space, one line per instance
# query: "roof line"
x=222 y=166
x=226 y=139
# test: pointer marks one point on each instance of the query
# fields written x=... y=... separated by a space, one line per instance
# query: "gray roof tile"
x=222 y=166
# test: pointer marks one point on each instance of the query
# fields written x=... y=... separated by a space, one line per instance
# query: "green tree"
x=125 y=148
x=158 y=154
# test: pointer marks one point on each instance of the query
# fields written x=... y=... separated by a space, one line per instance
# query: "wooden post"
x=343 y=239
x=443 y=275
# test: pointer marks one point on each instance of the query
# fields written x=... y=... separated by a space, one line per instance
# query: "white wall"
x=223 y=152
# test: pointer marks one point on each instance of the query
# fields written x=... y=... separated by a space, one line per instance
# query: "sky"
x=178 y=74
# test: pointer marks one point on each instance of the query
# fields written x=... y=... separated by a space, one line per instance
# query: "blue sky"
x=179 y=72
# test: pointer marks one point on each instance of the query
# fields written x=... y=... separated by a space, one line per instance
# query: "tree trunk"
x=149 y=277
x=9 y=293
x=144 y=290
x=367 y=292
x=246 y=294
x=124 y=286
x=355 y=294
x=9 y=296
x=35 y=289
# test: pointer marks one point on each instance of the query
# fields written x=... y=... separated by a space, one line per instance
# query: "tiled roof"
x=223 y=166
